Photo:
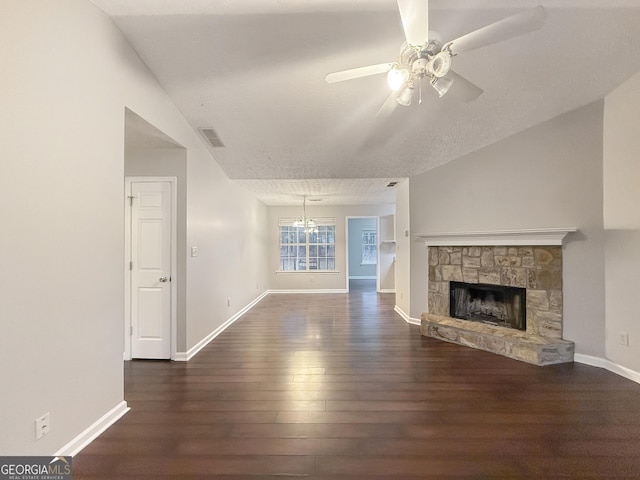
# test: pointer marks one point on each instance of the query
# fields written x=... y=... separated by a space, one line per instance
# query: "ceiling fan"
x=424 y=56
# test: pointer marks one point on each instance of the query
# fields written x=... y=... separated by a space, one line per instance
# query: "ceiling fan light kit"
x=422 y=57
x=396 y=77
x=441 y=85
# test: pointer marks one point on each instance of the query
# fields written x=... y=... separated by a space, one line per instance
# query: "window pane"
x=295 y=243
x=368 y=254
x=369 y=248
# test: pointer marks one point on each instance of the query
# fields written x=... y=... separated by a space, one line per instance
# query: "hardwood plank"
x=337 y=386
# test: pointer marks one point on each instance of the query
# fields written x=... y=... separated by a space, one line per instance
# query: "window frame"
x=368 y=232
x=301 y=250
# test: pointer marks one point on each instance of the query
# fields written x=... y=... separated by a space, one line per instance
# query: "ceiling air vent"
x=392 y=184
x=212 y=137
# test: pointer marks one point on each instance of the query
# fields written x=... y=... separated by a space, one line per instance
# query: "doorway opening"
x=153 y=160
x=362 y=254
x=150 y=293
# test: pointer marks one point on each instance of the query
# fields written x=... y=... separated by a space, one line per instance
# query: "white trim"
x=96 y=428
x=607 y=365
x=363 y=277
x=308 y=272
x=186 y=356
x=387 y=290
x=541 y=236
x=312 y=290
x=320 y=221
x=181 y=357
x=174 y=262
x=405 y=317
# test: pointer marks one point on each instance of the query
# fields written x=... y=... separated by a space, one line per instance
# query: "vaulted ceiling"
x=253 y=70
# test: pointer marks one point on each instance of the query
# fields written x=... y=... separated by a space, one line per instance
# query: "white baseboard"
x=387 y=290
x=405 y=317
x=608 y=365
x=85 y=438
x=186 y=356
x=181 y=357
x=312 y=290
x=362 y=277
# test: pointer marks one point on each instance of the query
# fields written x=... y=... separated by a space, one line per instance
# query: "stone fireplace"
x=506 y=290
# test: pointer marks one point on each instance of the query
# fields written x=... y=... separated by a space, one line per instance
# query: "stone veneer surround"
x=535 y=268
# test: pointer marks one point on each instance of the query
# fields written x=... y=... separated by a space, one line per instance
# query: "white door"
x=150 y=269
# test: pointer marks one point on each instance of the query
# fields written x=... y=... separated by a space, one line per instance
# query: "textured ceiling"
x=332 y=191
x=254 y=71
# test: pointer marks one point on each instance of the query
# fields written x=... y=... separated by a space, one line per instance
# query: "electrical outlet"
x=194 y=251
x=42 y=426
x=623 y=339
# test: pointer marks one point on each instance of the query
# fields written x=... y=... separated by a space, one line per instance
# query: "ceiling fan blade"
x=388 y=106
x=513 y=26
x=415 y=21
x=463 y=89
x=358 y=72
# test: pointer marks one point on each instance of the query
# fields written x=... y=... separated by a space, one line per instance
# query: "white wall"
x=230 y=229
x=317 y=281
x=622 y=221
x=68 y=76
x=387 y=253
x=547 y=176
x=403 y=248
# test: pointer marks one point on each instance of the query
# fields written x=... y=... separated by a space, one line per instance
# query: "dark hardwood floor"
x=336 y=386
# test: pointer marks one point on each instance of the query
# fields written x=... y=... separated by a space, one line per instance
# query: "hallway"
x=335 y=386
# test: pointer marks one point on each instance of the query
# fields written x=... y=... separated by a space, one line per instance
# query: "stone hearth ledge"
x=504 y=341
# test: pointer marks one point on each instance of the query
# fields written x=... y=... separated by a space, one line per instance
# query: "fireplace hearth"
x=492 y=304
x=511 y=294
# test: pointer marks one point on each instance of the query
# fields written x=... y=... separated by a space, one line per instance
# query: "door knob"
x=163 y=279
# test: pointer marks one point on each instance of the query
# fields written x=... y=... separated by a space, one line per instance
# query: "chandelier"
x=305 y=222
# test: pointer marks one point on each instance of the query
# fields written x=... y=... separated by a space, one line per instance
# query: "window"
x=369 y=247
x=301 y=251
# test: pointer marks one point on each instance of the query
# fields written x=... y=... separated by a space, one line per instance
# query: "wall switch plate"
x=623 y=339
x=194 y=251
x=43 y=425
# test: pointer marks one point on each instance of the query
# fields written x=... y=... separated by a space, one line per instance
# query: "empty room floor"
x=338 y=386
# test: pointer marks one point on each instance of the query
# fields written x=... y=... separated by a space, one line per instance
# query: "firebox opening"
x=492 y=304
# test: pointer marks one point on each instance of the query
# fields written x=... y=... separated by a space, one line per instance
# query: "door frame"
x=128 y=180
x=346 y=245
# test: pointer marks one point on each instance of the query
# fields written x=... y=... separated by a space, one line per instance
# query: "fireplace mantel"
x=530 y=237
